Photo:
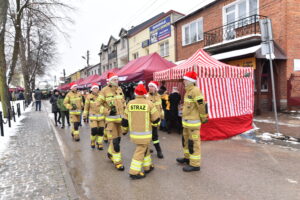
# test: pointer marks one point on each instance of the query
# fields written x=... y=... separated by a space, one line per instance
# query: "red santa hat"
x=111 y=76
x=94 y=85
x=190 y=76
x=154 y=84
x=140 y=90
x=72 y=85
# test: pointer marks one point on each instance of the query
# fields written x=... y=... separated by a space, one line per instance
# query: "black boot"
x=190 y=168
x=138 y=176
x=151 y=169
x=183 y=160
x=159 y=152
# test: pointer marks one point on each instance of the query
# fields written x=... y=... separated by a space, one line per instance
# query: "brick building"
x=229 y=30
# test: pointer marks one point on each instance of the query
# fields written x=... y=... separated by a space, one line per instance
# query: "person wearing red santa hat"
x=140 y=113
x=96 y=117
x=155 y=98
x=112 y=98
x=73 y=102
x=193 y=115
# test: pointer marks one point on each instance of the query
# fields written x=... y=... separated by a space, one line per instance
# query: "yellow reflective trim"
x=101 y=97
x=138 y=107
x=156 y=141
x=189 y=100
x=140 y=136
x=195 y=157
x=153 y=110
x=198 y=98
x=195 y=136
x=147 y=118
x=157 y=103
x=186 y=151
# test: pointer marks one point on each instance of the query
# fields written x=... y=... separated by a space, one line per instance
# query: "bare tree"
x=4 y=94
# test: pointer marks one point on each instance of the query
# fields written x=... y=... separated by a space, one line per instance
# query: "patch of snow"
x=8 y=132
x=293 y=139
x=273 y=122
x=265 y=136
x=292 y=181
x=292 y=142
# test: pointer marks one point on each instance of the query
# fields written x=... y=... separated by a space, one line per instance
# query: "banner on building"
x=246 y=62
x=161 y=30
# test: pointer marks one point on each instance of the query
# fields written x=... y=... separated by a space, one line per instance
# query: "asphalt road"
x=231 y=169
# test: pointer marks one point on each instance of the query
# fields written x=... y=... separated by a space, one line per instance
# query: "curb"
x=67 y=177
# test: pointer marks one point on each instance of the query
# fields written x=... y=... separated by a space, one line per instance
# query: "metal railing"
x=237 y=29
x=11 y=115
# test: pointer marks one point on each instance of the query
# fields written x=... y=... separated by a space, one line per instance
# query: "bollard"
x=9 y=117
x=13 y=113
x=18 y=109
x=1 y=124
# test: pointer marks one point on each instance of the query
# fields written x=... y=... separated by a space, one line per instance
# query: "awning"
x=256 y=50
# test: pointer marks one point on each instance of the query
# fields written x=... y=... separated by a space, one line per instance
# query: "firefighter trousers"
x=192 y=146
x=114 y=132
x=97 y=131
x=75 y=120
x=141 y=159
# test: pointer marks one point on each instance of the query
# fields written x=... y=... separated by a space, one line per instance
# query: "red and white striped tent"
x=228 y=90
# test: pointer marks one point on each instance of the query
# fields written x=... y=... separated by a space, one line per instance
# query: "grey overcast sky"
x=96 y=20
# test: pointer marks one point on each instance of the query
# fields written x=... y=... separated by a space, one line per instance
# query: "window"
x=192 y=32
x=135 y=55
x=164 y=49
x=123 y=41
x=239 y=10
x=115 y=64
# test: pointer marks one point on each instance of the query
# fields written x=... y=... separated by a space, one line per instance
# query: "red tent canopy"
x=89 y=80
x=228 y=90
x=143 y=68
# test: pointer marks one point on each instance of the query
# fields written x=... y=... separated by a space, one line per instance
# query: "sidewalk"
x=33 y=167
x=289 y=123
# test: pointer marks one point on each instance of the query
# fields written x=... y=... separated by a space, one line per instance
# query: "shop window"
x=265 y=79
x=135 y=55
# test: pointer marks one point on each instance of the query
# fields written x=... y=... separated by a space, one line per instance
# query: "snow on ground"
x=273 y=122
x=8 y=132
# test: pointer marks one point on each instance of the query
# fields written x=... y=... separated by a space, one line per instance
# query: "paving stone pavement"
x=32 y=167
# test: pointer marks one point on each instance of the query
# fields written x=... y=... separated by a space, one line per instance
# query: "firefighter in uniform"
x=112 y=98
x=194 y=113
x=155 y=98
x=139 y=115
x=96 y=117
x=73 y=102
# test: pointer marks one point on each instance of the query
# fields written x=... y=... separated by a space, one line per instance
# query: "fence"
x=11 y=116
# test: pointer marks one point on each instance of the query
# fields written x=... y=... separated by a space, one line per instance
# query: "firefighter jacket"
x=194 y=108
x=140 y=113
x=92 y=109
x=155 y=98
x=112 y=98
x=73 y=102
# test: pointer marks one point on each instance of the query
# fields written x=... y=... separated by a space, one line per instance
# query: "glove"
x=113 y=111
x=74 y=106
x=69 y=107
x=204 y=119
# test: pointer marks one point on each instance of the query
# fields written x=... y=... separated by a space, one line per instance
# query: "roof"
x=137 y=28
x=208 y=4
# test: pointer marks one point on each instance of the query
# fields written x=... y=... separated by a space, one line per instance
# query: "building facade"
x=157 y=35
x=122 y=48
x=229 y=30
x=93 y=69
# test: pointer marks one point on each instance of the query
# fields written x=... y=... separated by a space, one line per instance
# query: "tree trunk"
x=24 y=66
x=4 y=93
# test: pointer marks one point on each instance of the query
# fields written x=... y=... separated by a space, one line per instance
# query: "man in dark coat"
x=55 y=109
x=174 y=99
x=38 y=99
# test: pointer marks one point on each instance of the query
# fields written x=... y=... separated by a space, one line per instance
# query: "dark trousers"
x=56 y=114
x=38 y=105
x=65 y=114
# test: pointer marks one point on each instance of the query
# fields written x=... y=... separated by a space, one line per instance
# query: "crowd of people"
x=114 y=111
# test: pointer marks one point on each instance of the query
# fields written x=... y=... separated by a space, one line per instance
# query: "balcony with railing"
x=112 y=55
x=238 y=32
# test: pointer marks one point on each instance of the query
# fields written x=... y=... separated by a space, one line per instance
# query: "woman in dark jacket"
x=55 y=109
x=63 y=110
